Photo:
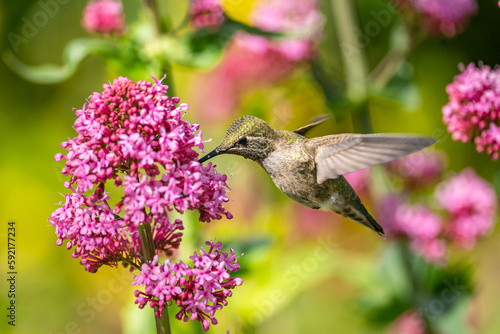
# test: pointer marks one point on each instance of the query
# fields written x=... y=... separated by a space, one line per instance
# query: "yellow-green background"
x=54 y=291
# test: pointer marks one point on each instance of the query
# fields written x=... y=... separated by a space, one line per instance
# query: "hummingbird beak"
x=209 y=156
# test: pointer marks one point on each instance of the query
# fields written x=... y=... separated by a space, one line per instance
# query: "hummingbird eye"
x=243 y=141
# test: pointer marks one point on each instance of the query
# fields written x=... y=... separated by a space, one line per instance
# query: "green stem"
x=163 y=23
x=148 y=247
x=393 y=60
x=386 y=69
x=148 y=253
x=353 y=55
x=354 y=60
x=163 y=27
x=362 y=120
x=407 y=258
x=169 y=79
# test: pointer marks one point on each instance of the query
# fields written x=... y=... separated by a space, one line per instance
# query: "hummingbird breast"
x=293 y=170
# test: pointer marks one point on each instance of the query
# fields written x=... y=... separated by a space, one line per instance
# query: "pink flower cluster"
x=470 y=205
x=199 y=290
x=473 y=109
x=442 y=17
x=420 y=169
x=104 y=17
x=132 y=135
x=206 y=13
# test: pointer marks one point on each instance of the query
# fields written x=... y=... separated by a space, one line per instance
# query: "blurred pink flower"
x=360 y=181
x=433 y=250
x=289 y=16
x=387 y=208
x=133 y=135
x=248 y=63
x=309 y=223
x=420 y=169
x=418 y=223
x=442 y=17
x=104 y=17
x=199 y=291
x=474 y=108
x=254 y=60
x=472 y=205
x=206 y=13
x=410 y=322
x=285 y=15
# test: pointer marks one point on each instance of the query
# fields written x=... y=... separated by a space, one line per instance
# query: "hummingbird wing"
x=337 y=155
x=315 y=121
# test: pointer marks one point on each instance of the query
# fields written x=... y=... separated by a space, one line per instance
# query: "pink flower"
x=285 y=15
x=443 y=17
x=387 y=208
x=489 y=141
x=410 y=322
x=206 y=13
x=417 y=223
x=433 y=250
x=199 y=290
x=471 y=203
x=132 y=135
x=474 y=108
x=104 y=17
x=419 y=169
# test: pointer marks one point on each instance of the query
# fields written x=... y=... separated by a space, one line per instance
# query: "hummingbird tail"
x=372 y=223
x=360 y=215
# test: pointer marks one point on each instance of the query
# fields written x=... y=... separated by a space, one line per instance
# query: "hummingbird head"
x=247 y=136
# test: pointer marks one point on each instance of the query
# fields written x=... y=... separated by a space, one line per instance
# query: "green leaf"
x=74 y=53
x=393 y=272
x=383 y=313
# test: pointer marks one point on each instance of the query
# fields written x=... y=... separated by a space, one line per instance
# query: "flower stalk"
x=355 y=67
x=148 y=252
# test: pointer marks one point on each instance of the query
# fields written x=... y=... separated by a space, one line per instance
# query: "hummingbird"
x=310 y=170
